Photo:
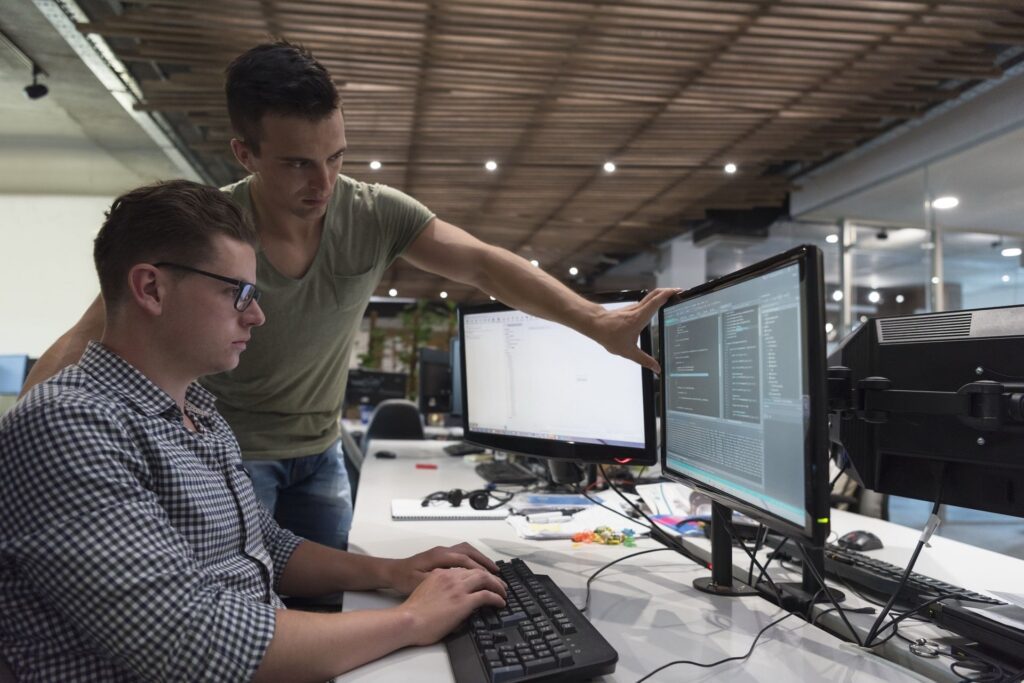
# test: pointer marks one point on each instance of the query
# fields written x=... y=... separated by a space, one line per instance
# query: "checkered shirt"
x=130 y=548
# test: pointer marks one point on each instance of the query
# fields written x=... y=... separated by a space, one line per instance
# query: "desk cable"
x=735 y=658
x=930 y=527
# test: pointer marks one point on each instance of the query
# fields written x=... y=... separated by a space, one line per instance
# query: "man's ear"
x=147 y=287
x=244 y=154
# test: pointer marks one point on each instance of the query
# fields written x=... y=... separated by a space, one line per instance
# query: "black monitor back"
x=950 y=411
x=370 y=387
x=435 y=383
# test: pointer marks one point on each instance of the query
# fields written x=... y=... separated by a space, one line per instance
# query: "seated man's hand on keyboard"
x=446 y=598
x=407 y=574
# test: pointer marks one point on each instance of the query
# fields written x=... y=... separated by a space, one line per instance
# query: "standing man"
x=325 y=242
x=131 y=543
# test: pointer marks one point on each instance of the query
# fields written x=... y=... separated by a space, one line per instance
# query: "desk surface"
x=645 y=606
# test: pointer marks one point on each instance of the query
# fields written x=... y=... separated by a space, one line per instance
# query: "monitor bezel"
x=562 y=450
x=816 y=502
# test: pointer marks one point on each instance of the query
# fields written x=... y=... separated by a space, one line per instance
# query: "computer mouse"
x=860 y=540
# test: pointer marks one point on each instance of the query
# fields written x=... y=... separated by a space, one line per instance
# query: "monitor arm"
x=984 y=405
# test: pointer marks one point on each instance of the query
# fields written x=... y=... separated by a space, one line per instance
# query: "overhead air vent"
x=925 y=328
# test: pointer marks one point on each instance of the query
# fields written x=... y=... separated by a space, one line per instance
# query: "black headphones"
x=480 y=499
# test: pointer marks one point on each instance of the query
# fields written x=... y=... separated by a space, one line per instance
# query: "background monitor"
x=534 y=387
x=743 y=392
x=370 y=387
x=456 y=361
x=942 y=415
x=435 y=383
x=13 y=369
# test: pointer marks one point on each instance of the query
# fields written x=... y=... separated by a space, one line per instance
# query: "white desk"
x=645 y=607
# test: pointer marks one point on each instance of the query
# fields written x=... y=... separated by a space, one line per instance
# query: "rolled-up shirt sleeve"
x=280 y=542
x=83 y=530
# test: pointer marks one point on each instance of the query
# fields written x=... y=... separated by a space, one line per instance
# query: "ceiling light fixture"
x=609 y=167
x=375 y=165
x=491 y=165
x=874 y=297
x=1006 y=278
x=37 y=89
x=829 y=327
x=946 y=202
x=392 y=292
x=832 y=239
x=730 y=168
x=837 y=295
x=444 y=295
x=1011 y=251
x=900 y=298
x=535 y=263
x=574 y=270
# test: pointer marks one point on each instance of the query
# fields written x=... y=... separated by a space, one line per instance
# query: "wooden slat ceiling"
x=669 y=90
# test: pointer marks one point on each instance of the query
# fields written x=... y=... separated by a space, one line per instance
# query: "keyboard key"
x=506 y=673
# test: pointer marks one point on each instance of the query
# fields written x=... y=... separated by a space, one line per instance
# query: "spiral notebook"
x=412 y=509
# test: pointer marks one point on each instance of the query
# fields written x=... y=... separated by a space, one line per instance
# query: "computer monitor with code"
x=534 y=387
x=743 y=391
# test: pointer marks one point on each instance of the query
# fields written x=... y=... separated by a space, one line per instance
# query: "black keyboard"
x=539 y=636
x=504 y=472
x=880 y=579
x=462 y=448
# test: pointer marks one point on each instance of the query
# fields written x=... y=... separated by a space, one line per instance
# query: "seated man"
x=131 y=543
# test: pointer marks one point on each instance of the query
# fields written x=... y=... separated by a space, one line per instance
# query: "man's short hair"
x=276 y=78
x=168 y=221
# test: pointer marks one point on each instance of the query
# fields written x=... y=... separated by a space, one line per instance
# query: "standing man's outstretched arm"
x=70 y=346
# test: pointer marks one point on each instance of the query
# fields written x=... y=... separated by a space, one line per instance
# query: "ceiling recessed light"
x=837 y=295
x=863 y=318
x=900 y=298
x=730 y=168
x=1011 y=251
x=874 y=297
x=832 y=239
x=1006 y=278
x=375 y=165
x=535 y=263
x=946 y=202
x=444 y=295
x=491 y=165
x=609 y=167
x=392 y=292
x=574 y=271
x=493 y=299
x=829 y=327
x=935 y=280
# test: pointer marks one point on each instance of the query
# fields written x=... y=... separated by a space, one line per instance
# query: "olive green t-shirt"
x=284 y=398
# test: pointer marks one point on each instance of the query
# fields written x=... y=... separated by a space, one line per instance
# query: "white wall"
x=682 y=264
x=47 y=277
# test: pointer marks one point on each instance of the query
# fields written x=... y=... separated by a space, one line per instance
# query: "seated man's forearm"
x=69 y=347
x=309 y=646
x=315 y=569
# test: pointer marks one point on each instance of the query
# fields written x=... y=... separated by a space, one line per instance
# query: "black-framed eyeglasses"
x=247 y=292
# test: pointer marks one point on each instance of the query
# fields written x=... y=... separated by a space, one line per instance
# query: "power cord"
x=586 y=601
x=933 y=523
x=735 y=658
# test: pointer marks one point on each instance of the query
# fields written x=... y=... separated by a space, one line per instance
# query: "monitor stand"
x=721 y=580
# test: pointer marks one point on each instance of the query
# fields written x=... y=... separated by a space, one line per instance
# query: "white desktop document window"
x=526 y=376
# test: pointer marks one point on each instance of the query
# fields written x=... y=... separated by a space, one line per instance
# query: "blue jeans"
x=309 y=495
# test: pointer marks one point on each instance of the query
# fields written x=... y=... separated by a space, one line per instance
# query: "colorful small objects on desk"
x=604 y=535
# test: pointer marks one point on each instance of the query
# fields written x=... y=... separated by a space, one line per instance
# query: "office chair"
x=394 y=419
x=353 y=459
